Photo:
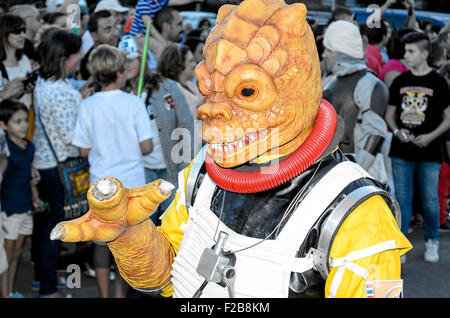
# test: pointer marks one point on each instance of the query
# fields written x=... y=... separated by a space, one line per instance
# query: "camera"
x=30 y=78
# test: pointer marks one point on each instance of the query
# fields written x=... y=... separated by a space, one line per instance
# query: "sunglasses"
x=18 y=31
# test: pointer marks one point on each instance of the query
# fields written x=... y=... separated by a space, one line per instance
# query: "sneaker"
x=61 y=284
x=16 y=294
x=431 y=251
x=36 y=286
x=403 y=259
x=89 y=271
x=445 y=227
x=55 y=295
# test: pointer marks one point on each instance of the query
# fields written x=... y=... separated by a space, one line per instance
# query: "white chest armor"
x=263 y=267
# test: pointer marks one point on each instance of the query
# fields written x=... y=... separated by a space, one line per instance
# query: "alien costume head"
x=261 y=81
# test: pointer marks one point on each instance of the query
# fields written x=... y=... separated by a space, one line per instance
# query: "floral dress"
x=56 y=104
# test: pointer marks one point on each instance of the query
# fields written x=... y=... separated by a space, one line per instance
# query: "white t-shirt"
x=86 y=42
x=155 y=159
x=112 y=124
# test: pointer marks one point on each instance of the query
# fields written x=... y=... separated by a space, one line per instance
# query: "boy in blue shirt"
x=18 y=192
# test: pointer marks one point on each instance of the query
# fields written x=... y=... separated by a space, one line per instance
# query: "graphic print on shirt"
x=414 y=105
x=170 y=103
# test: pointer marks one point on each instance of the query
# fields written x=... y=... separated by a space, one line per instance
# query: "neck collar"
x=271 y=176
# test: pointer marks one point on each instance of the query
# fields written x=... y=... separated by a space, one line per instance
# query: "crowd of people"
x=67 y=92
x=391 y=87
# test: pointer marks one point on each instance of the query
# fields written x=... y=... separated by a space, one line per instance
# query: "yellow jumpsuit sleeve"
x=176 y=215
x=173 y=220
x=370 y=231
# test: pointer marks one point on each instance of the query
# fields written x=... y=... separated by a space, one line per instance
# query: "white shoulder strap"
x=318 y=199
x=193 y=174
x=313 y=206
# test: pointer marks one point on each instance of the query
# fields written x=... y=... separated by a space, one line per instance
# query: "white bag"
x=378 y=169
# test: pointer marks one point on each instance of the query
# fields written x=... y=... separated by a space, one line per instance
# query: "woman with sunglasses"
x=14 y=64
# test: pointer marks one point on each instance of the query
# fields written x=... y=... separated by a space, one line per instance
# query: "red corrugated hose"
x=270 y=177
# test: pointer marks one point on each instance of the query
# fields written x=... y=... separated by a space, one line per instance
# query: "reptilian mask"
x=261 y=81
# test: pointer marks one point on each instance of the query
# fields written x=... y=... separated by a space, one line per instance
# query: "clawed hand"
x=113 y=209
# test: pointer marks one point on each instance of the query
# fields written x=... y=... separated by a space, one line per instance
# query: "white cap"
x=52 y=4
x=110 y=5
x=344 y=37
x=129 y=46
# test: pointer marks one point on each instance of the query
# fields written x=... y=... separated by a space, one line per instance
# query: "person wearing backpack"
x=358 y=96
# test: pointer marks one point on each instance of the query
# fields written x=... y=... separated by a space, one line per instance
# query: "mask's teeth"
x=237 y=144
x=215 y=147
x=240 y=144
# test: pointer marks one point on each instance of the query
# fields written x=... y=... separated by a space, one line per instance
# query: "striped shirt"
x=145 y=7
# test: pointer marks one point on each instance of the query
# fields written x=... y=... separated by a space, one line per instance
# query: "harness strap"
x=346 y=262
x=365 y=252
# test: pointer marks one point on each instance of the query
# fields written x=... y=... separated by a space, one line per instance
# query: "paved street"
x=421 y=279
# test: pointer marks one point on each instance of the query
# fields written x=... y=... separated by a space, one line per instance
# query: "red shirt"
x=393 y=65
x=374 y=59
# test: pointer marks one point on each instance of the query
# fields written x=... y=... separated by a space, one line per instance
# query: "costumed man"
x=358 y=96
x=270 y=207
